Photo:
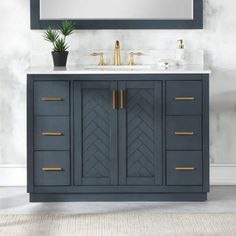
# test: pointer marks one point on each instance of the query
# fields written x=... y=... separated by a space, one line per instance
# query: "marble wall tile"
x=22 y=48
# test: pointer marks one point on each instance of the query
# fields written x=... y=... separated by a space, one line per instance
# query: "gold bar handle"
x=184 y=133
x=184 y=98
x=47 y=99
x=52 y=169
x=122 y=93
x=52 y=134
x=113 y=99
x=185 y=168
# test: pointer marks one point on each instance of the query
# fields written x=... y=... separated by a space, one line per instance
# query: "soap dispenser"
x=180 y=53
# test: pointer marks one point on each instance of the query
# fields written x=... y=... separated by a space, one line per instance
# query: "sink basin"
x=122 y=67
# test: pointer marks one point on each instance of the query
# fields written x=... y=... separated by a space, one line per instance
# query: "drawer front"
x=184 y=97
x=51 y=98
x=183 y=133
x=52 y=133
x=184 y=167
x=51 y=168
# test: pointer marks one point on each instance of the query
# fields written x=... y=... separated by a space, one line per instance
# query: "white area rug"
x=121 y=224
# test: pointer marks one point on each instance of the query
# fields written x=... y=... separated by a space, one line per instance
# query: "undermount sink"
x=122 y=67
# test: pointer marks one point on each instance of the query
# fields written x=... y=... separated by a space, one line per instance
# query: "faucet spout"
x=117 y=57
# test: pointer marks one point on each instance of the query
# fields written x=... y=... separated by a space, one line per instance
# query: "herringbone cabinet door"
x=96 y=134
x=140 y=144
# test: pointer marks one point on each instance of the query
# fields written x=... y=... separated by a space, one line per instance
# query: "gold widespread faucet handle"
x=132 y=54
x=94 y=54
x=101 y=59
x=138 y=53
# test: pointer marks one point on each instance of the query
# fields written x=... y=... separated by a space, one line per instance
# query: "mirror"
x=118 y=14
x=116 y=10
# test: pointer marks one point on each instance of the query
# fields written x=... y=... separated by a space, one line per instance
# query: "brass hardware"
x=113 y=99
x=181 y=44
x=52 y=134
x=101 y=58
x=117 y=57
x=184 y=98
x=184 y=133
x=52 y=99
x=132 y=54
x=52 y=169
x=185 y=168
x=122 y=92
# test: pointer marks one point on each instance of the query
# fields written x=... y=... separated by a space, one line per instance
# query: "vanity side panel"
x=205 y=136
x=30 y=133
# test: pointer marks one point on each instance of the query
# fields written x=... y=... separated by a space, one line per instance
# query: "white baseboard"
x=15 y=175
x=223 y=174
x=12 y=175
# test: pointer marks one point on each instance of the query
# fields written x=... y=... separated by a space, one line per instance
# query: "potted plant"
x=58 y=39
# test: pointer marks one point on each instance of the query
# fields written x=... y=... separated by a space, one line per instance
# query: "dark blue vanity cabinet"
x=118 y=137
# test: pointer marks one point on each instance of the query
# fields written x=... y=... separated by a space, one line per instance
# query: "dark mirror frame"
x=196 y=23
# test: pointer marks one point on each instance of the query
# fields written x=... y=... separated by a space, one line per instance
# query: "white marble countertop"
x=152 y=69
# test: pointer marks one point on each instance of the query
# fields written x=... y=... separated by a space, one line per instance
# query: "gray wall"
x=21 y=48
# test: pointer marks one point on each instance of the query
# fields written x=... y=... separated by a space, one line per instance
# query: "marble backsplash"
x=149 y=57
x=22 y=47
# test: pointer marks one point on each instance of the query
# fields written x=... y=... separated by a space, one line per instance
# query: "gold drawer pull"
x=185 y=168
x=184 y=98
x=47 y=99
x=184 y=133
x=52 y=169
x=52 y=134
x=113 y=99
x=122 y=93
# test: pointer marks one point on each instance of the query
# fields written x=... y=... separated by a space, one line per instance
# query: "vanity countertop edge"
x=49 y=70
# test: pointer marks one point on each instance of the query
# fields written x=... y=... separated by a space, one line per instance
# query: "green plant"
x=58 y=37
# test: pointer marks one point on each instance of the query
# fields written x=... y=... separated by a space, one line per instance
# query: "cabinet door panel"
x=140 y=130
x=95 y=134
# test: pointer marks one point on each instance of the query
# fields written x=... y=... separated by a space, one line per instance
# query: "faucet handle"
x=101 y=59
x=132 y=54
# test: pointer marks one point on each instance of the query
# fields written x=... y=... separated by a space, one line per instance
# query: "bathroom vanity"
x=118 y=135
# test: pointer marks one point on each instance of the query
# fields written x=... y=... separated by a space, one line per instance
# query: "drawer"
x=184 y=167
x=183 y=132
x=52 y=133
x=51 y=168
x=51 y=98
x=184 y=97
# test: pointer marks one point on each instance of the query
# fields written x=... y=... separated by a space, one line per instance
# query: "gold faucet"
x=117 y=57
